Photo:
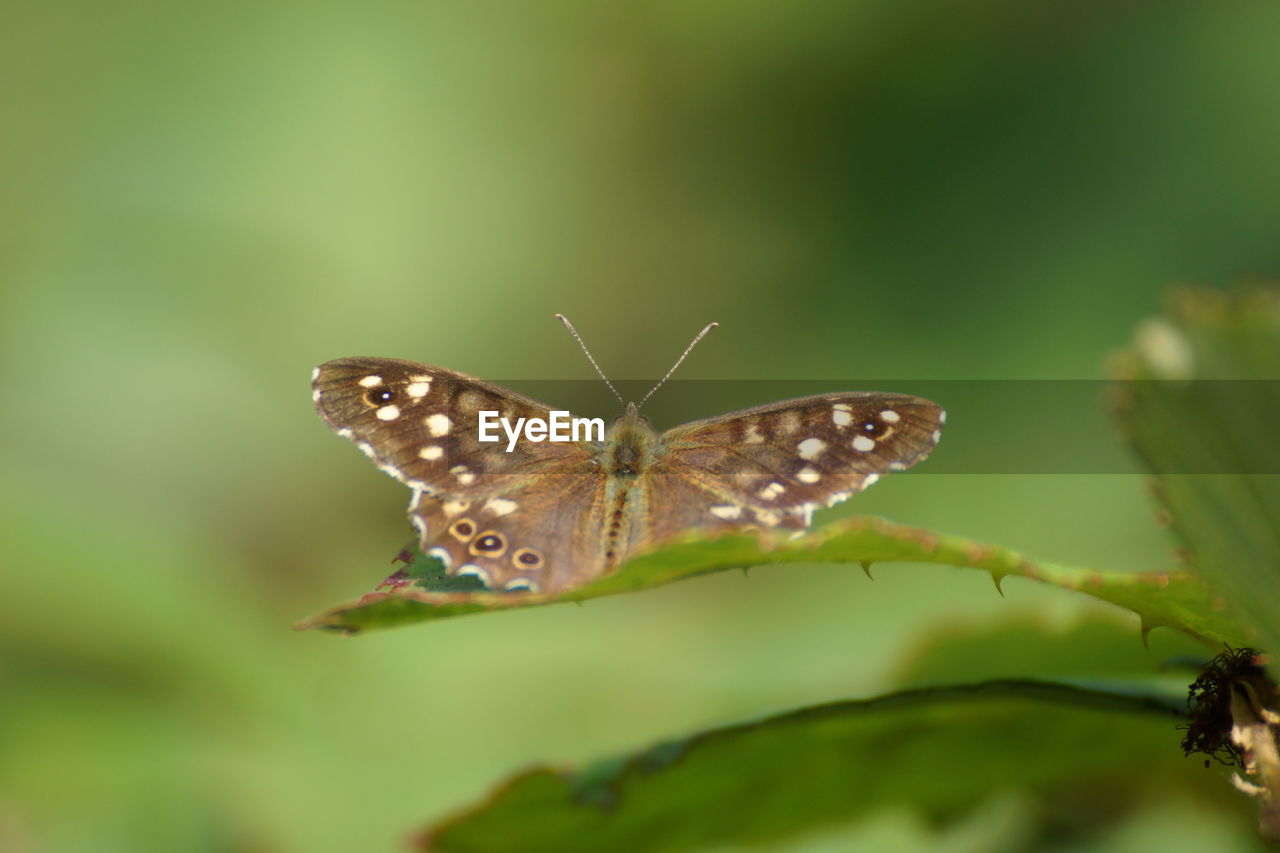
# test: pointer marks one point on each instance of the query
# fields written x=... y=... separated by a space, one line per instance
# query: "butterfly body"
x=548 y=516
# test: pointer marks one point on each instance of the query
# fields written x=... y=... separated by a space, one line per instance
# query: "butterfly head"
x=630 y=416
x=630 y=443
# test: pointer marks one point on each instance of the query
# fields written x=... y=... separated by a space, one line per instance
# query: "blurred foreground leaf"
x=1172 y=599
x=939 y=751
x=1202 y=407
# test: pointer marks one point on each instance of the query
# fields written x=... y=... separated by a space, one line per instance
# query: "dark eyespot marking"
x=380 y=396
x=490 y=544
x=875 y=429
x=527 y=558
x=462 y=530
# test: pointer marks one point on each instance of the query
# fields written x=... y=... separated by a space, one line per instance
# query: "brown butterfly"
x=552 y=515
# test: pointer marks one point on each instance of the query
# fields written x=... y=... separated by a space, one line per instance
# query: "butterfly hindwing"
x=542 y=535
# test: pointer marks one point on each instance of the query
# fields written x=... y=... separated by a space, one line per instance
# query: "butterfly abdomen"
x=627 y=454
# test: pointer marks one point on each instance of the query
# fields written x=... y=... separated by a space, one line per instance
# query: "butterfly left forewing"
x=774 y=464
x=419 y=424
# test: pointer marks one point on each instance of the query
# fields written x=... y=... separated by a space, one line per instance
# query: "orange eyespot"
x=527 y=558
x=489 y=544
x=462 y=530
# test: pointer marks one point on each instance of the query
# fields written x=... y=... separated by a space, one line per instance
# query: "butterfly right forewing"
x=774 y=464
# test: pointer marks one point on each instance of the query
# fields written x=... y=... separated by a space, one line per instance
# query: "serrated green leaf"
x=940 y=751
x=1201 y=405
x=1172 y=599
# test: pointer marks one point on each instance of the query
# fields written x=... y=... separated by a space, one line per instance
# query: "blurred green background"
x=201 y=202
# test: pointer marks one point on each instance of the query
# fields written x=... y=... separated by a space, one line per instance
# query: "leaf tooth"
x=1145 y=628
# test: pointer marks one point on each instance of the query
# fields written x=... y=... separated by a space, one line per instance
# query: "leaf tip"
x=866 y=568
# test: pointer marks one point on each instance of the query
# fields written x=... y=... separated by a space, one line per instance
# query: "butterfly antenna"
x=578 y=338
x=679 y=361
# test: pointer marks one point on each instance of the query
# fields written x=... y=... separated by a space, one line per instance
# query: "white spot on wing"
x=442 y=555
x=452 y=508
x=392 y=470
x=771 y=491
x=417 y=389
x=420 y=523
x=728 y=513
x=870 y=480
x=864 y=444
x=431 y=452
x=810 y=448
x=371 y=381
x=753 y=435
x=937 y=435
x=840 y=416
x=500 y=506
x=472 y=570
x=808 y=475
x=315 y=374
x=767 y=516
x=837 y=498
x=525 y=584
x=889 y=416
x=388 y=413
x=438 y=424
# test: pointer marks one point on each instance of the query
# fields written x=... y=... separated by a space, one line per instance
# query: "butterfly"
x=548 y=516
